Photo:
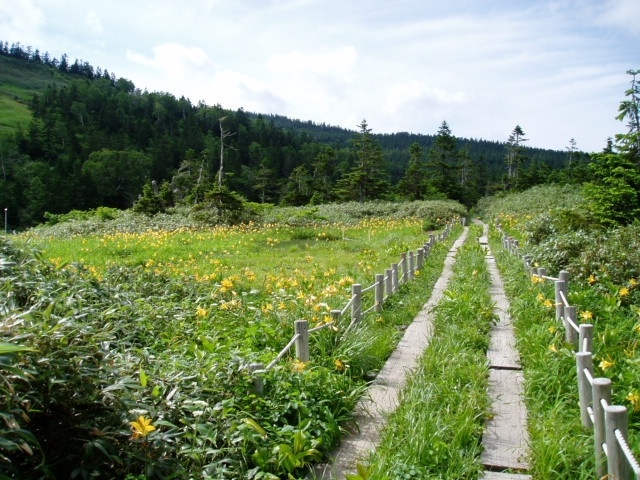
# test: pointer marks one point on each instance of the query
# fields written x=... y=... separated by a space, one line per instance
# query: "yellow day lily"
x=606 y=364
x=142 y=427
x=587 y=315
x=634 y=399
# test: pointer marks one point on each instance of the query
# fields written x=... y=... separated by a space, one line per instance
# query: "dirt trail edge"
x=505 y=440
x=382 y=396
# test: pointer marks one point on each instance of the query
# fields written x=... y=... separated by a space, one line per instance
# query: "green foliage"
x=613 y=194
x=59 y=115
x=154 y=200
x=100 y=213
x=221 y=206
x=117 y=176
x=629 y=109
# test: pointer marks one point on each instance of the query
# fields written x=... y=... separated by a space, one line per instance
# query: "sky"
x=556 y=68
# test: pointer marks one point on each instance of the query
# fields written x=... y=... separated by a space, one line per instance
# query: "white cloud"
x=94 y=23
x=173 y=59
x=334 y=63
x=21 y=22
x=623 y=14
x=409 y=92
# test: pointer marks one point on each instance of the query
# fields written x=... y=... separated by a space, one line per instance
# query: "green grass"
x=440 y=421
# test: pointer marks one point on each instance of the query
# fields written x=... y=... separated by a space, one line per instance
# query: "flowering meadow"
x=138 y=342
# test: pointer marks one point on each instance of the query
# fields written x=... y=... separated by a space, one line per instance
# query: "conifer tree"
x=368 y=179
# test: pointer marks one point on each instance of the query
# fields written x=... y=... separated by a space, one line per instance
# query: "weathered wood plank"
x=504 y=476
x=502 y=352
x=506 y=438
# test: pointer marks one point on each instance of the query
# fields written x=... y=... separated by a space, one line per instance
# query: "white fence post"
x=379 y=291
x=615 y=417
x=356 y=306
x=601 y=392
x=302 y=343
x=258 y=384
x=584 y=361
x=570 y=334
x=420 y=260
x=412 y=266
x=559 y=303
x=388 y=280
x=394 y=277
x=405 y=272
x=585 y=337
x=564 y=276
x=527 y=264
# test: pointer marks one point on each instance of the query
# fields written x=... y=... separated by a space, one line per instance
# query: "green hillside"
x=19 y=81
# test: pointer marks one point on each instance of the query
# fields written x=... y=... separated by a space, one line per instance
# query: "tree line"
x=97 y=140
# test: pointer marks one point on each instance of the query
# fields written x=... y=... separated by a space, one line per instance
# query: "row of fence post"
x=613 y=456
x=384 y=286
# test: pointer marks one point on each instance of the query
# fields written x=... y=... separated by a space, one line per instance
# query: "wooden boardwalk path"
x=506 y=438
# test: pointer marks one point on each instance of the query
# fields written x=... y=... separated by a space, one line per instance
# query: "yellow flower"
x=540 y=297
x=587 y=315
x=267 y=308
x=606 y=364
x=537 y=279
x=634 y=399
x=623 y=292
x=226 y=285
x=340 y=365
x=552 y=348
x=141 y=427
x=592 y=279
x=298 y=366
x=553 y=329
x=548 y=303
x=633 y=282
x=201 y=312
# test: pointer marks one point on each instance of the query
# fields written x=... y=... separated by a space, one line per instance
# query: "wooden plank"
x=506 y=438
x=504 y=476
x=502 y=352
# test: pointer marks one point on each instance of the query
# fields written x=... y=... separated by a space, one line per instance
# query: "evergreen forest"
x=77 y=137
